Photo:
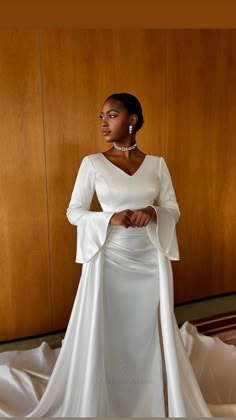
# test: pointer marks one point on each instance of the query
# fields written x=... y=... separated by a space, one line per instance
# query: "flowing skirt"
x=110 y=363
x=134 y=374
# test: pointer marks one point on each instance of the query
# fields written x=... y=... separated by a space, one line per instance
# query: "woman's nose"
x=104 y=122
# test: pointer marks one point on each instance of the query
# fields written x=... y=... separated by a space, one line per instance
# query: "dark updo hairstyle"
x=131 y=104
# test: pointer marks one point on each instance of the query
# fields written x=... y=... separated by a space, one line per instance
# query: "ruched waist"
x=130 y=241
x=121 y=231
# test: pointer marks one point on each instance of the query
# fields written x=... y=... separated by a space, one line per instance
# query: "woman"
x=115 y=366
x=122 y=354
x=122 y=241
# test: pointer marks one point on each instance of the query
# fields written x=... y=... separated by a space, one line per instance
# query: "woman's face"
x=115 y=121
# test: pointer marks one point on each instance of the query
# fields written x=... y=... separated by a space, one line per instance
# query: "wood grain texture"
x=80 y=69
x=25 y=307
x=201 y=152
x=185 y=80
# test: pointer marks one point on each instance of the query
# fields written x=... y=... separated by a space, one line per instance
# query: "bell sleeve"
x=167 y=215
x=91 y=226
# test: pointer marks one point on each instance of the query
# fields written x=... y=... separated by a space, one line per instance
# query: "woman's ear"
x=133 y=119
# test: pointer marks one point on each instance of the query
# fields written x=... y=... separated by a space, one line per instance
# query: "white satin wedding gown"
x=122 y=354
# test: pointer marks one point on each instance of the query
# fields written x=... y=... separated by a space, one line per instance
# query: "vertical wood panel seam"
x=45 y=167
x=165 y=99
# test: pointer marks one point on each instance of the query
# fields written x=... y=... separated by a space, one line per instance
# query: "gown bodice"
x=116 y=190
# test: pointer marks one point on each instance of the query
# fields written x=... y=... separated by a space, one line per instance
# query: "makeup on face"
x=114 y=121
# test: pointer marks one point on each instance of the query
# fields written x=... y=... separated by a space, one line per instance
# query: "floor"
x=205 y=308
x=185 y=312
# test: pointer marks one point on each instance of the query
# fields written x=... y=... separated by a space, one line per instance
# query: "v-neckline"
x=121 y=170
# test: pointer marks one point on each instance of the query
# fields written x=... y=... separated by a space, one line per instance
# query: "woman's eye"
x=102 y=117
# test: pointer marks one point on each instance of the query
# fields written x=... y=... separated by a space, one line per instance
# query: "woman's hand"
x=136 y=218
x=122 y=218
x=142 y=217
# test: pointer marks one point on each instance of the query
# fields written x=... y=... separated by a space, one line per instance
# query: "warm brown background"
x=122 y=14
x=52 y=84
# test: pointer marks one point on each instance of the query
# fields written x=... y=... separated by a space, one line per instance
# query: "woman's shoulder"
x=92 y=158
x=154 y=159
x=158 y=163
x=93 y=161
x=154 y=156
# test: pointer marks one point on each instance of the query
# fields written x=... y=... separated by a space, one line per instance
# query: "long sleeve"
x=167 y=213
x=91 y=226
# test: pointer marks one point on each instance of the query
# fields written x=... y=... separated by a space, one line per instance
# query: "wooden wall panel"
x=24 y=259
x=80 y=69
x=186 y=82
x=201 y=152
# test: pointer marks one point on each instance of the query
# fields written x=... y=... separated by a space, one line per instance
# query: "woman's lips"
x=105 y=132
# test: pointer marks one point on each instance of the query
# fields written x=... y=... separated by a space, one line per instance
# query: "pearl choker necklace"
x=124 y=149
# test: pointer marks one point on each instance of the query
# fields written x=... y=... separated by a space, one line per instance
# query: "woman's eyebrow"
x=109 y=110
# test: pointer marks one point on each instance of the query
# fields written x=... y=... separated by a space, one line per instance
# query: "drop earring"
x=130 y=129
